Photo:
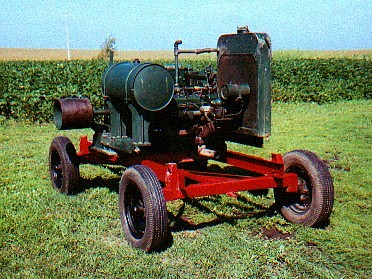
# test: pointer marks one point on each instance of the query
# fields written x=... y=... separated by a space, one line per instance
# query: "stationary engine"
x=152 y=108
x=164 y=123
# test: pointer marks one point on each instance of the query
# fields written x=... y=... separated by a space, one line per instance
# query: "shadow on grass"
x=98 y=182
x=242 y=207
x=180 y=222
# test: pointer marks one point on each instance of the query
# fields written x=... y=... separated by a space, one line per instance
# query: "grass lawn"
x=44 y=234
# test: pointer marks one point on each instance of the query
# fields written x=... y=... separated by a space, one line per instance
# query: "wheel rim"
x=301 y=201
x=134 y=211
x=56 y=169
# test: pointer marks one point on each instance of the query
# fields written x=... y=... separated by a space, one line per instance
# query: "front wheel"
x=142 y=209
x=313 y=203
x=64 y=166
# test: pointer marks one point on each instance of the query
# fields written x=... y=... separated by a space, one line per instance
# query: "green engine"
x=152 y=108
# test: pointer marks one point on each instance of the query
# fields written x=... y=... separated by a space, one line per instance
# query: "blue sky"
x=155 y=25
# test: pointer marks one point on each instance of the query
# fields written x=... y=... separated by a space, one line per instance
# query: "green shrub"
x=28 y=87
x=321 y=80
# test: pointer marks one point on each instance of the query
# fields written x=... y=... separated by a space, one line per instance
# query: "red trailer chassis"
x=302 y=184
x=181 y=184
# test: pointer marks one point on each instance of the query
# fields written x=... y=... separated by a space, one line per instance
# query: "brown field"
x=15 y=54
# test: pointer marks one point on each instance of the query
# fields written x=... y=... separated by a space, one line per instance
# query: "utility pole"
x=67 y=38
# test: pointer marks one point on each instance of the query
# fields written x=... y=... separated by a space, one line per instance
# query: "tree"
x=107 y=47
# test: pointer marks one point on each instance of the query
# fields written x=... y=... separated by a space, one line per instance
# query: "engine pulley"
x=234 y=91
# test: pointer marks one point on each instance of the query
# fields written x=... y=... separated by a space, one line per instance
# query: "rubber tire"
x=64 y=166
x=140 y=191
x=316 y=206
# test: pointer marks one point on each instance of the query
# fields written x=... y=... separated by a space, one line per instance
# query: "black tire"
x=313 y=203
x=142 y=209
x=64 y=166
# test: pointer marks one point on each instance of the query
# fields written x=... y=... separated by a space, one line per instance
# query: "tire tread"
x=70 y=165
x=323 y=197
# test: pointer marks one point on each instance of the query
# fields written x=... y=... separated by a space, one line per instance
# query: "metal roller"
x=73 y=113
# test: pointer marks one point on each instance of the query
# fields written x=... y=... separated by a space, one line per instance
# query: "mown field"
x=44 y=234
x=321 y=104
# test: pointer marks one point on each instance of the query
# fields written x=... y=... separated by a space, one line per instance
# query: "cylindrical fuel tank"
x=149 y=86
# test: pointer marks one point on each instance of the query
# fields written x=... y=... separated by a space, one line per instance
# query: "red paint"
x=84 y=145
x=181 y=184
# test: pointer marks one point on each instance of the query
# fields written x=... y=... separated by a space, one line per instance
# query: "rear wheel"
x=312 y=204
x=64 y=166
x=142 y=209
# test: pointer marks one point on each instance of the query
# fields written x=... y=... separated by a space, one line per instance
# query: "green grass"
x=44 y=234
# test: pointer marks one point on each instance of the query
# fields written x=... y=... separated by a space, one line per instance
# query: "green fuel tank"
x=148 y=86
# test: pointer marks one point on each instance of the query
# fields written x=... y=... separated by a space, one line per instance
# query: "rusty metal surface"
x=73 y=113
x=245 y=58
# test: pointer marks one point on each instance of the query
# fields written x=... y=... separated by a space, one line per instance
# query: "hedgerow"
x=27 y=88
x=321 y=80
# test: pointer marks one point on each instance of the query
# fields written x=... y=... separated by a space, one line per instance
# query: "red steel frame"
x=181 y=184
